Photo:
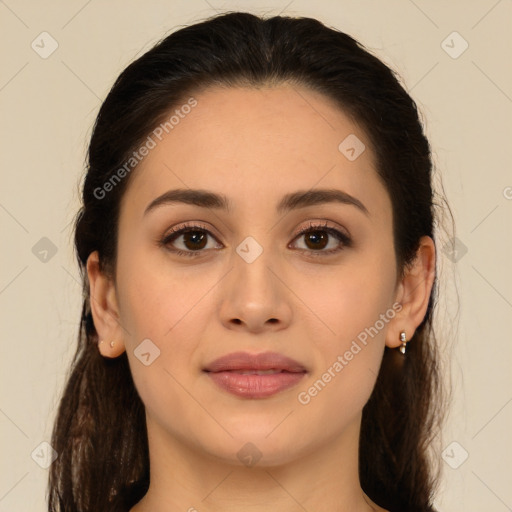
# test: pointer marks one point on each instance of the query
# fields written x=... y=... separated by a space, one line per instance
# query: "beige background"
x=49 y=105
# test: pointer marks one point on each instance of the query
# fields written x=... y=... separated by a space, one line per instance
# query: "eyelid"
x=320 y=225
x=188 y=226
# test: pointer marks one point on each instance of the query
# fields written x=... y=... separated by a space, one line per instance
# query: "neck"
x=185 y=478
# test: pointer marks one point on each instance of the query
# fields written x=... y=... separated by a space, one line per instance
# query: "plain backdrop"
x=59 y=60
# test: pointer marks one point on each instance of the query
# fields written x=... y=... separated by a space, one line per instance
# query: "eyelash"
x=342 y=237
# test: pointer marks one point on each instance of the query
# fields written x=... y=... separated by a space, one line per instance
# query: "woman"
x=257 y=248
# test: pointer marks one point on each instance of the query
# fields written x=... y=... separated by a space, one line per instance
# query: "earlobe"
x=414 y=294
x=111 y=349
x=104 y=309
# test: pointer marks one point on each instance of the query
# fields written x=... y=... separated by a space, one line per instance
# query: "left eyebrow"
x=292 y=201
x=305 y=198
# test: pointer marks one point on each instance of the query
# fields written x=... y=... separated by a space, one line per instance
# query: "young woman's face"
x=246 y=281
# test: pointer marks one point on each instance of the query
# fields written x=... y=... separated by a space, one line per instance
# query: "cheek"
x=347 y=364
x=157 y=298
x=157 y=306
x=356 y=309
x=353 y=300
x=160 y=306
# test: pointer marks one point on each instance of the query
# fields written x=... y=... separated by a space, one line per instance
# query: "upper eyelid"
x=175 y=231
x=323 y=224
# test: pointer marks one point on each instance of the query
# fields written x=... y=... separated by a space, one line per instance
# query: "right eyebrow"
x=201 y=198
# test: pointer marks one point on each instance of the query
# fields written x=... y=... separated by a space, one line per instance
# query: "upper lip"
x=262 y=361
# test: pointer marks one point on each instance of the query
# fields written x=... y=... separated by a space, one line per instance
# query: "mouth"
x=257 y=372
x=255 y=375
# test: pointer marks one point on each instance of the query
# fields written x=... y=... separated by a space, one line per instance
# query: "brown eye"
x=193 y=241
x=318 y=237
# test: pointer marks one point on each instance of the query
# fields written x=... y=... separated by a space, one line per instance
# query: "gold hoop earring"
x=403 y=339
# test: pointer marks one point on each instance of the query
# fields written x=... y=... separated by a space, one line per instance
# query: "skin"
x=254 y=146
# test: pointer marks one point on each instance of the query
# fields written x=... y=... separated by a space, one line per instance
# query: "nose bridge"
x=253 y=295
x=251 y=260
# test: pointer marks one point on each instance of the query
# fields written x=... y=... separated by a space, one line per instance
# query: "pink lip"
x=226 y=372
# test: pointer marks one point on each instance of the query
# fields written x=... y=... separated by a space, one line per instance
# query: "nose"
x=254 y=296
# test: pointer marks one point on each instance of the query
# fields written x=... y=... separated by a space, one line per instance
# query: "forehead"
x=257 y=144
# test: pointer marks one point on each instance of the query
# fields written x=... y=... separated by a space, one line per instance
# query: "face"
x=314 y=282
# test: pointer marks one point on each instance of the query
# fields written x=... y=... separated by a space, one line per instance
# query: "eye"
x=195 y=239
x=317 y=236
x=194 y=236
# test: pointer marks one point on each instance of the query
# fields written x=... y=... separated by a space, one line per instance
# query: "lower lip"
x=253 y=385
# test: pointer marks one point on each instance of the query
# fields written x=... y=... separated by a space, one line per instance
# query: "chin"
x=256 y=448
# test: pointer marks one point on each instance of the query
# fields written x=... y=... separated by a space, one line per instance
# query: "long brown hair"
x=100 y=431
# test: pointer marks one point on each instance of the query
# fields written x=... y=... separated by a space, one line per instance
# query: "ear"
x=104 y=309
x=413 y=293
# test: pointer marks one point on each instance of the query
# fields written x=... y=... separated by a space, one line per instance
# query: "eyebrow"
x=292 y=201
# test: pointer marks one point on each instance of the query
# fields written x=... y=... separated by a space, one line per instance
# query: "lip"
x=237 y=373
x=247 y=361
